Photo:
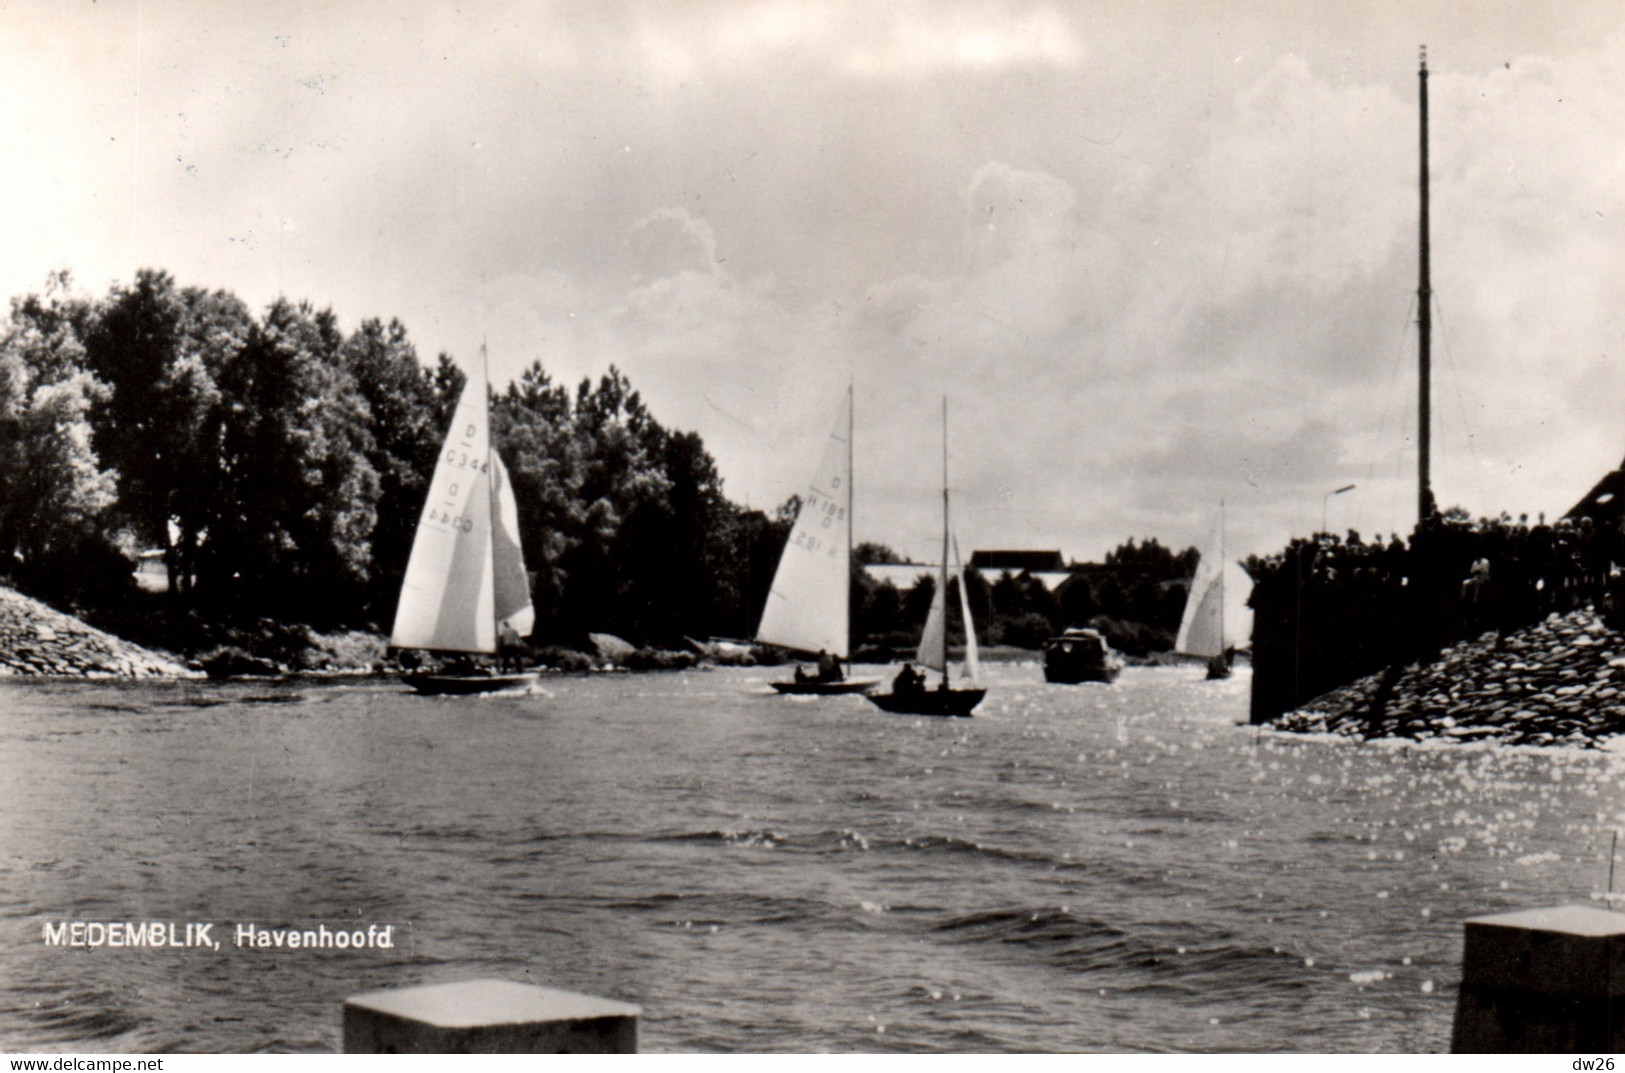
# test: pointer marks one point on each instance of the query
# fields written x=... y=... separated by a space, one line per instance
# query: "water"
x=1120 y=868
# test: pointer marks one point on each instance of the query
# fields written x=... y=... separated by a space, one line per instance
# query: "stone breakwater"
x=1559 y=682
x=36 y=640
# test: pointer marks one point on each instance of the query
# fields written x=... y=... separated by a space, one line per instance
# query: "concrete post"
x=487 y=1017
x=1548 y=981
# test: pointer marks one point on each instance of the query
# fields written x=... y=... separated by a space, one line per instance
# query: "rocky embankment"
x=1559 y=682
x=36 y=640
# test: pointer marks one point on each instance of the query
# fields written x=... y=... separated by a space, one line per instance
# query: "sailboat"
x=1201 y=628
x=908 y=695
x=465 y=585
x=809 y=603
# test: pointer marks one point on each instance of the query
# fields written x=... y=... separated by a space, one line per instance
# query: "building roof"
x=1605 y=503
x=1017 y=561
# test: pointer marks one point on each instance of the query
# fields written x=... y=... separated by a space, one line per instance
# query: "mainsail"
x=973 y=662
x=933 y=650
x=807 y=606
x=1201 y=629
x=466 y=570
x=510 y=582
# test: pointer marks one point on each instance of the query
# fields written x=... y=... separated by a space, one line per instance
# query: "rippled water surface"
x=1116 y=868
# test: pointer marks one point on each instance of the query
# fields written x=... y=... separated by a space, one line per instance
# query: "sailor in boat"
x=510 y=649
x=829 y=670
x=908 y=680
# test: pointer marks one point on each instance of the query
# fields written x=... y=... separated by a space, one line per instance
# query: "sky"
x=1155 y=254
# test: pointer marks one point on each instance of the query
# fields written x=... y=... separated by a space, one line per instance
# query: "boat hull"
x=1080 y=656
x=826 y=689
x=464 y=685
x=944 y=702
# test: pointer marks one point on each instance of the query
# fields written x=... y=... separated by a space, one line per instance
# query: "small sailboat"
x=465 y=587
x=809 y=604
x=909 y=694
x=1201 y=628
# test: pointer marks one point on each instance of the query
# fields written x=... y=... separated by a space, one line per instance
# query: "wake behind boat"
x=466 y=589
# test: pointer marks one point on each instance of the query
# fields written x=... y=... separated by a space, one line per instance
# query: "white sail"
x=807 y=606
x=460 y=560
x=510 y=582
x=933 y=650
x=1201 y=629
x=973 y=662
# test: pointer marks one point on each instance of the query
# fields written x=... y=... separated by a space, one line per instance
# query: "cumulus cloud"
x=1152 y=259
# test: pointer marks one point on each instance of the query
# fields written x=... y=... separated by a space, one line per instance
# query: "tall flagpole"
x=1424 y=298
x=850 y=451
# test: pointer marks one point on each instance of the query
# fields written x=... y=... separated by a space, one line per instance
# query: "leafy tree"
x=300 y=492
x=404 y=425
x=532 y=428
x=53 y=489
x=868 y=553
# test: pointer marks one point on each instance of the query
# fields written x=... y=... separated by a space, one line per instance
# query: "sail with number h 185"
x=466 y=574
x=807 y=606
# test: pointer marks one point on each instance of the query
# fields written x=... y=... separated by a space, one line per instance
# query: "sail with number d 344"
x=466 y=574
x=807 y=606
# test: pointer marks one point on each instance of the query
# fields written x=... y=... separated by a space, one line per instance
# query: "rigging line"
x=1388 y=397
x=1461 y=404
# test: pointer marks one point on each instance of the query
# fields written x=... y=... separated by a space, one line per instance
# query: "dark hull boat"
x=943 y=702
x=826 y=689
x=464 y=685
x=1079 y=656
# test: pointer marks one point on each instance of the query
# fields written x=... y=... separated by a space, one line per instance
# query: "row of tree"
x=280 y=466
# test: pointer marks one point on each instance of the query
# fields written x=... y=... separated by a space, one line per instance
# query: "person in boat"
x=829 y=668
x=908 y=680
x=802 y=677
x=510 y=649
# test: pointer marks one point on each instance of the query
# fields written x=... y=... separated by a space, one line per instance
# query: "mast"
x=1221 y=577
x=849 y=453
x=1424 y=324
x=942 y=574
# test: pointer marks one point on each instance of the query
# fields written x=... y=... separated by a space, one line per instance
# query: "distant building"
x=151 y=573
x=1034 y=562
x=1605 y=503
x=1048 y=568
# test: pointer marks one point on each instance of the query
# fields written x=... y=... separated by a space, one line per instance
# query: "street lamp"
x=1327 y=498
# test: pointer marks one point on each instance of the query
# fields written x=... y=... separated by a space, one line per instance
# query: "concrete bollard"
x=1547 y=981
x=487 y=1017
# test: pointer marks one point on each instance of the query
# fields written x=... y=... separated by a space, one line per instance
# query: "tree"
x=404 y=427
x=533 y=430
x=300 y=494
x=53 y=488
x=869 y=553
